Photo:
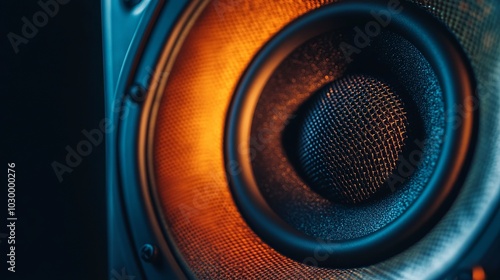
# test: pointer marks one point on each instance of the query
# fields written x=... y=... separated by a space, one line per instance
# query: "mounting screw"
x=149 y=253
x=137 y=93
x=131 y=3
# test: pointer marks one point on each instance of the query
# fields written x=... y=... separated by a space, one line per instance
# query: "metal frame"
x=135 y=37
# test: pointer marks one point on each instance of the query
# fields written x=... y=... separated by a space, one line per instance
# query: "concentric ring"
x=448 y=61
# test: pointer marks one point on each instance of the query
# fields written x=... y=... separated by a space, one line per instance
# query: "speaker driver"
x=446 y=60
x=204 y=171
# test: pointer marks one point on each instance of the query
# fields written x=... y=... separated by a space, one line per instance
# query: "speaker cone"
x=277 y=147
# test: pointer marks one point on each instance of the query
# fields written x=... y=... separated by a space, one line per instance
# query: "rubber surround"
x=446 y=58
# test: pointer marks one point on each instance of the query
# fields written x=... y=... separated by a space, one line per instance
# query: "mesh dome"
x=351 y=138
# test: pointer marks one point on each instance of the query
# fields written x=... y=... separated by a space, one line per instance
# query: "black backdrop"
x=51 y=90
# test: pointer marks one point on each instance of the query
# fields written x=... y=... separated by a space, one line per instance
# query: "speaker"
x=321 y=139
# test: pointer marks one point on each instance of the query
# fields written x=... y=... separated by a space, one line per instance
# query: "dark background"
x=51 y=90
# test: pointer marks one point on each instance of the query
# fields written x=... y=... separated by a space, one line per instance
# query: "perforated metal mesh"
x=206 y=229
x=351 y=138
